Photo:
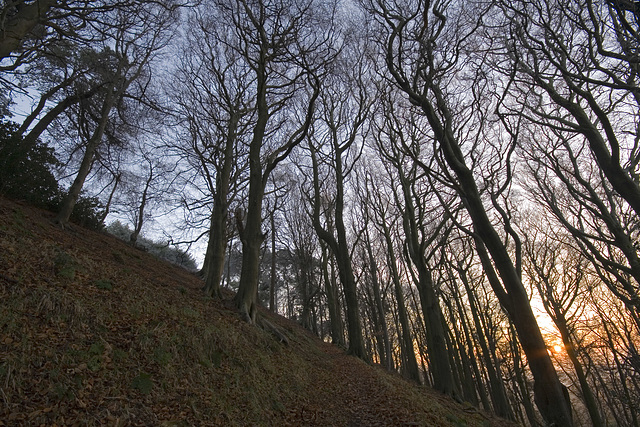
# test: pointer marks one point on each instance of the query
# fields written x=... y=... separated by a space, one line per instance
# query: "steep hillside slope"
x=94 y=332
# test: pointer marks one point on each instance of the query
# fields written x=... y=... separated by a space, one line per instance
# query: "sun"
x=557 y=348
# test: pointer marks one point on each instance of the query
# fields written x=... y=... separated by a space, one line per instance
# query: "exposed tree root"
x=250 y=315
x=270 y=327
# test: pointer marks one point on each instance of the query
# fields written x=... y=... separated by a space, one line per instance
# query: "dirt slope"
x=94 y=332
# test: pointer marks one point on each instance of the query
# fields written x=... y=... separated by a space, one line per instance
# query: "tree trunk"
x=520 y=378
x=250 y=232
x=408 y=352
x=107 y=207
x=589 y=399
x=216 y=247
x=140 y=219
x=496 y=386
x=354 y=328
x=480 y=384
x=220 y=213
x=465 y=361
x=340 y=248
x=549 y=393
x=439 y=363
x=272 y=281
x=252 y=237
x=69 y=201
x=333 y=303
x=382 y=321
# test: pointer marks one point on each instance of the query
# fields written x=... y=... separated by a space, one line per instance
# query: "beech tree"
x=426 y=46
x=298 y=236
x=581 y=147
x=283 y=49
x=385 y=219
x=581 y=56
x=213 y=76
x=468 y=274
x=423 y=224
x=559 y=274
x=335 y=146
x=134 y=46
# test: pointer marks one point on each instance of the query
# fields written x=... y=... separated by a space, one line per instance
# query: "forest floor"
x=95 y=332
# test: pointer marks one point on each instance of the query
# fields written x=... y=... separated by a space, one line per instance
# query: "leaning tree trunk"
x=549 y=393
x=464 y=320
x=408 y=352
x=69 y=201
x=382 y=320
x=437 y=350
x=465 y=361
x=587 y=394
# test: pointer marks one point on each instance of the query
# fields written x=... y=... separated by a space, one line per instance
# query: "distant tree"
x=302 y=247
x=471 y=277
x=386 y=221
x=559 y=273
x=159 y=249
x=20 y=18
x=32 y=27
x=150 y=192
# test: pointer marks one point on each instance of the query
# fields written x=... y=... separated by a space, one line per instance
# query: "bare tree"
x=561 y=177
x=334 y=146
x=29 y=28
x=385 y=219
x=281 y=48
x=134 y=46
x=574 y=67
x=558 y=273
x=213 y=104
x=423 y=224
x=426 y=46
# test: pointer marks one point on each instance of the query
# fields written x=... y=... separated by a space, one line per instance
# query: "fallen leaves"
x=95 y=332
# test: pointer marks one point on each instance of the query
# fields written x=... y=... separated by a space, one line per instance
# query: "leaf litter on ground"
x=96 y=332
